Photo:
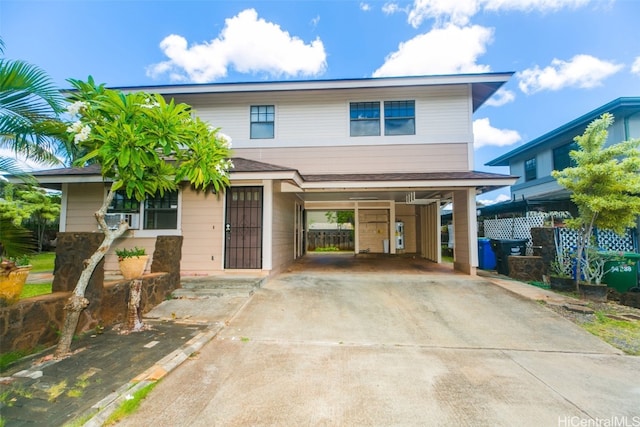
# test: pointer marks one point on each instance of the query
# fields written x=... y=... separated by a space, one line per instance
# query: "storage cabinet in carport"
x=503 y=248
x=486 y=257
x=622 y=273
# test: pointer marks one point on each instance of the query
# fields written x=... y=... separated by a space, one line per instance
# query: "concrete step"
x=217 y=286
x=212 y=293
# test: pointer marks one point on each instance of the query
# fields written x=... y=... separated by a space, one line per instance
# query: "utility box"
x=503 y=248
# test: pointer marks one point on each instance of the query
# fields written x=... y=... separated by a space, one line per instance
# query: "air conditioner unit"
x=113 y=220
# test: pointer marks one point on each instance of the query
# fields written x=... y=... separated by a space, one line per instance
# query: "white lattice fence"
x=513 y=228
x=605 y=240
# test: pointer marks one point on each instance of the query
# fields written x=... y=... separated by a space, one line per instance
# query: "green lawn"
x=35 y=289
x=42 y=262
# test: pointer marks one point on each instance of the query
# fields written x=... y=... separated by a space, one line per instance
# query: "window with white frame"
x=399 y=118
x=364 y=118
x=159 y=212
x=262 y=121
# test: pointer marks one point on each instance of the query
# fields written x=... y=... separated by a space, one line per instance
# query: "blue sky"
x=569 y=56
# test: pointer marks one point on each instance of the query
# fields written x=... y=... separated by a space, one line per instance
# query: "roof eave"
x=582 y=121
x=371 y=82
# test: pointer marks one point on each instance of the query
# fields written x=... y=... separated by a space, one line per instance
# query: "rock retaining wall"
x=526 y=268
x=37 y=321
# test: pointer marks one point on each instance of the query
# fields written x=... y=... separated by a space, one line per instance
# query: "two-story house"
x=533 y=162
x=390 y=149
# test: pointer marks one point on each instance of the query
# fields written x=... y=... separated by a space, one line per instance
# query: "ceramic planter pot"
x=133 y=267
x=11 y=285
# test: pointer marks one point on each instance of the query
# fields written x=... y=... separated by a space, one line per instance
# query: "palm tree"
x=29 y=108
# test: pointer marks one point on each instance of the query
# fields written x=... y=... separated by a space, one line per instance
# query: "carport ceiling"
x=397 y=195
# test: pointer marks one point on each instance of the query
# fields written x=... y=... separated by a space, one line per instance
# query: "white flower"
x=150 y=103
x=225 y=139
x=75 y=127
x=80 y=135
x=76 y=107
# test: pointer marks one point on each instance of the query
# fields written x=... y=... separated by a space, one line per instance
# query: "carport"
x=380 y=201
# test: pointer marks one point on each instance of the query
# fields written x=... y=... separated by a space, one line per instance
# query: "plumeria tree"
x=604 y=185
x=145 y=145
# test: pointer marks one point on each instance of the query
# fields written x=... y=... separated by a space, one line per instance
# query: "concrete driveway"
x=358 y=344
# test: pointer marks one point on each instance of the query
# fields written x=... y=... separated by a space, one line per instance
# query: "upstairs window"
x=530 y=169
x=364 y=118
x=158 y=212
x=561 y=158
x=399 y=118
x=262 y=121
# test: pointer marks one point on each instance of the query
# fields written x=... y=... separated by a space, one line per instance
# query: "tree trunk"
x=76 y=301
x=73 y=308
x=134 y=319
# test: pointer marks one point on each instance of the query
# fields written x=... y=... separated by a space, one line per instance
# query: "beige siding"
x=203 y=232
x=465 y=231
x=378 y=159
x=407 y=214
x=283 y=238
x=83 y=200
x=321 y=118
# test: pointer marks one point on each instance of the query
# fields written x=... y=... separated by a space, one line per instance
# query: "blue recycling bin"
x=486 y=257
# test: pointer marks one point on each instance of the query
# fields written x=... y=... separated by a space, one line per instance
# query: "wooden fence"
x=340 y=239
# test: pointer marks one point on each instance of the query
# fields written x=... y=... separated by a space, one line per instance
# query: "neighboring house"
x=537 y=190
x=391 y=149
x=534 y=161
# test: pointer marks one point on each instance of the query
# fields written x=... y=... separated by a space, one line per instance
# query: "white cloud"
x=249 y=45
x=532 y=5
x=459 y=12
x=635 y=67
x=365 y=7
x=582 y=71
x=499 y=198
x=484 y=134
x=501 y=97
x=446 y=50
x=391 y=8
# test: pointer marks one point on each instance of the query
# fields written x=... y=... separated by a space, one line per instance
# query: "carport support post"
x=465 y=230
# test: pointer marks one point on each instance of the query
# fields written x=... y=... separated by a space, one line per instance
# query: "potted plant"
x=13 y=276
x=132 y=262
x=593 y=270
x=561 y=271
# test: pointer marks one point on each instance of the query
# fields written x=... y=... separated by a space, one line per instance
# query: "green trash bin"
x=622 y=274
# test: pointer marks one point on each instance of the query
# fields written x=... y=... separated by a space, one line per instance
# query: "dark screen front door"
x=243 y=228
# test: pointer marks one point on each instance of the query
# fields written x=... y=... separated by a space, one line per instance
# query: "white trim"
x=64 y=201
x=349 y=185
x=267 y=225
x=385 y=82
x=470 y=144
x=472 y=237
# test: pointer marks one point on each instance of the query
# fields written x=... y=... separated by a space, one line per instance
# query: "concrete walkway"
x=107 y=368
x=413 y=346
